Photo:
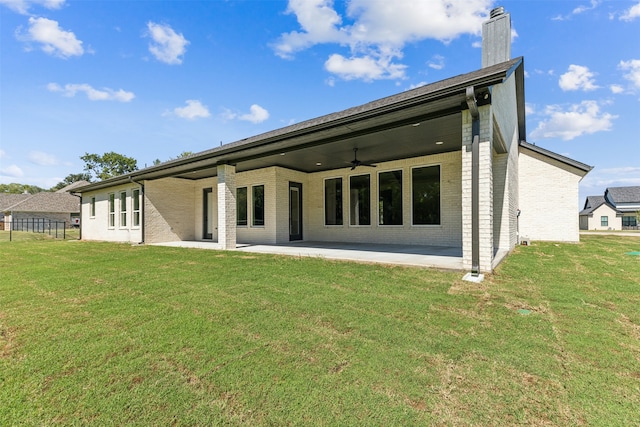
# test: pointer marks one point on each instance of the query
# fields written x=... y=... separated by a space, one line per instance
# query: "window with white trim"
x=123 y=209
x=135 y=208
x=112 y=210
x=92 y=207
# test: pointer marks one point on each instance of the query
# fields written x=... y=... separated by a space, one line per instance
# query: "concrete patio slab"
x=449 y=258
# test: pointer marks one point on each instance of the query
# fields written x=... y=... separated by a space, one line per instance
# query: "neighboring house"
x=452 y=170
x=616 y=210
x=54 y=207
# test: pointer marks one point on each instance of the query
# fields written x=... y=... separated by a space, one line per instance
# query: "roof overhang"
x=422 y=121
x=581 y=168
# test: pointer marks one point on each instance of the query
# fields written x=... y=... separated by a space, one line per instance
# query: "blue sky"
x=152 y=79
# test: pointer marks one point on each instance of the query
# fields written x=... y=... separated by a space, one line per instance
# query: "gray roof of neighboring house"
x=592 y=203
x=623 y=194
x=7 y=200
x=73 y=186
x=40 y=202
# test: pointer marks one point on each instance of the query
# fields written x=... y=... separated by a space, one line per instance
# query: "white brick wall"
x=96 y=227
x=485 y=190
x=169 y=210
x=548 y=192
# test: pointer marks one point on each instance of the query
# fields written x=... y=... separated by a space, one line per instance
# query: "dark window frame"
x=363 y=215
x=390 y=199
x=426 y=197
x=337 y=219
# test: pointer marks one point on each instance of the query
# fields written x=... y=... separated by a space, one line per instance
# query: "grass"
x=99 y=333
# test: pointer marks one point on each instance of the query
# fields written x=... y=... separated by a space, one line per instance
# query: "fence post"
x=64 y=230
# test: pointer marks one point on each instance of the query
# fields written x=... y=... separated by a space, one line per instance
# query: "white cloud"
x=377 y=31
x=256 y=114
x=579 y=119
x=365 y=68
x=167 y=46
x=584 y=8
x=632 y=13
x=633 y=74
x=41 y=158
x=105 y=94
x=3 y=154
x=437 y=62
x=23 y=6
x=55 y=41
x=12 y=171
x=599 y=179
x=577 y=78
x=193 y=110
x=616 y=89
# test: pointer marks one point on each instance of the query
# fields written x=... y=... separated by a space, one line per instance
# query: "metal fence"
x=56 y=229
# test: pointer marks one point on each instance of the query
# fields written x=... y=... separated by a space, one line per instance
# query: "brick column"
x=227 y=206
x=485 y=214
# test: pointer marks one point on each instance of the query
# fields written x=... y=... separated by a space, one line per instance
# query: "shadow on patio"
x=411 y=255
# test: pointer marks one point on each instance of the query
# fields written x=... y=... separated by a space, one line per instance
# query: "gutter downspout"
x=142 y=217
x=475 y=177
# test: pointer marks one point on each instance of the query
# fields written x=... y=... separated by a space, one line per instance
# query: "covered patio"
x=449 y=258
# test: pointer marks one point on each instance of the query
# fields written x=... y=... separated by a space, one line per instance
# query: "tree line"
x=96 y=168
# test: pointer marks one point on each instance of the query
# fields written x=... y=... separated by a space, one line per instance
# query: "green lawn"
x=108 y=334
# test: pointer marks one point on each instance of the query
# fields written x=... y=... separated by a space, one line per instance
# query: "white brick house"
x=451 y=169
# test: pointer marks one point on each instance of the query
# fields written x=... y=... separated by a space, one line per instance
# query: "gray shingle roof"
x=434 y=92
x=623 y=194
x=8 y=200
x=592 y=203
x=72 y=186
x=40 y=202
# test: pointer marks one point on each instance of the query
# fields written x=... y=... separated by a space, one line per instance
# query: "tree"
x=108 y=165
x=156 y=162
x=70 y=179
x=15 y=188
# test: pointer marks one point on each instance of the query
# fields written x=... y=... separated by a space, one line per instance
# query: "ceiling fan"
x=355 y=162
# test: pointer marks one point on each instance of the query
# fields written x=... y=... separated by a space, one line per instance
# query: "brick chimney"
x=496 y=38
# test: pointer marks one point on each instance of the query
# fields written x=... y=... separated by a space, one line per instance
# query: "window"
x=333 y=201
x=241 y=206
x=123 y=209
x=112 y=210
x=258 y=205
x=390 y=198
x=360 y=206
x=425 y=182
x=629 y=221
x=135 y=196
x=92 y=207
x=604 y=221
